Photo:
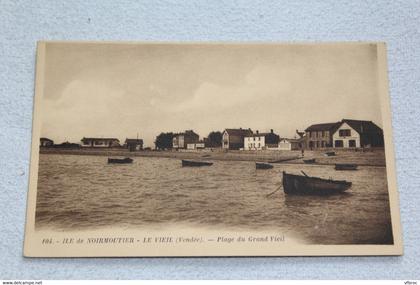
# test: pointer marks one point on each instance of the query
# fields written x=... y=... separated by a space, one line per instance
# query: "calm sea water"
x=84 y=192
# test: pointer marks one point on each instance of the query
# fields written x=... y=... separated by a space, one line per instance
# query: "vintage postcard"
x=198 y=149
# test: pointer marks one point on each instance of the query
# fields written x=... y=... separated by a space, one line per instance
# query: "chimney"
x=271 y=130
x=257 y=132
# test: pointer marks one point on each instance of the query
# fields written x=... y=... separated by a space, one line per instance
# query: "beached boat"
x=192 y=163
x=309 y=161
x=306 y=185
x=330 y=153
x=345 y=166
x=120 y=160
x=284 y=159
x=260 y=165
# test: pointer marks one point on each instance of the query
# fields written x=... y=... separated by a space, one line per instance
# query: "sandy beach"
x=371 y=157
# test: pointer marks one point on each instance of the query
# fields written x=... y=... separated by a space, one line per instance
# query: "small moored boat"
x=120 y=160
x=345 y=166
x=260 y=165
x=309 y=161
x=330 y=153
x=284 y=159
x=192 y=163
x=306 y=185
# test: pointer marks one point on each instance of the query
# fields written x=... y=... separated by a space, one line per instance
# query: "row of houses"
x=90 y=142
x=246 y=139
x=343 y=134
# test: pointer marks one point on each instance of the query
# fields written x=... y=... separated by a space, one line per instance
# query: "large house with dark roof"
x=357 y=133
x=344 y=134
x=234 y=138
x=133 y=144
x=320 y=135
x=181 y=140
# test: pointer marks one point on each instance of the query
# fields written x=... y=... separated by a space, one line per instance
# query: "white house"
x=260 y=141
x=357 y=133
x=288 y=144
x=346 y=136
x=254 y=142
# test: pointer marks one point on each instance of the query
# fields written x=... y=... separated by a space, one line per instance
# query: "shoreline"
x=371 y=158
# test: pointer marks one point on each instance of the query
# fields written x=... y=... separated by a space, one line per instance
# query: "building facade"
x=181 y=140
x=289 y=144
x=133 y=144
x=100 y=142
x=357 y=133
x=261 y=141
x=234 y=138
x=320 y=135
x=196 y=145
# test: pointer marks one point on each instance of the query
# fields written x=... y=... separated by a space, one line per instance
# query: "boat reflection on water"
x=306 y=202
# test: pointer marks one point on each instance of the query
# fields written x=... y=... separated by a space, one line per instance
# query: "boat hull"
x=190 y=163
x=263 y=166
x=346 y=167
x=330 y=153
x=120 y=160
x=302 y=185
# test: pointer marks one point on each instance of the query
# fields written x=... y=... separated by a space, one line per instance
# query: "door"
x=352 y=143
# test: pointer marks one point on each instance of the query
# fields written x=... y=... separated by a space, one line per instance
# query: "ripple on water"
x=84 y=192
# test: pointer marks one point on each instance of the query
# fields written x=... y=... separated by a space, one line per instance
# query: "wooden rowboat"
x=260 y=165
x=306 y=185
x=330 y=153
x=191 y=163
x=345 y=166
x=284 y=159
x=309 y=161
x=120 y=160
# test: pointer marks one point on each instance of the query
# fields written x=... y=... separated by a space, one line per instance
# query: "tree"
x=214 y=139
x=164 y=141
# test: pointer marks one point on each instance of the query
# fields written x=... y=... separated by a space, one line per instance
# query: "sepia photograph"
x=212 y=149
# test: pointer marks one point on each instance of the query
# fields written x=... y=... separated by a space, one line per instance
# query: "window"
x=352 y=143
x=338 y=143
x=344 y=133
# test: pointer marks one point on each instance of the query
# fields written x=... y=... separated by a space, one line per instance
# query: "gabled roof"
x=323 y=127
x=262 y=134
x=133 y=141
x=362 y=126
x=239 y=132
x=103 y=139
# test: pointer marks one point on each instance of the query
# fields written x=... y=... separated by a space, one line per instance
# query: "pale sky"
x=119 y=90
